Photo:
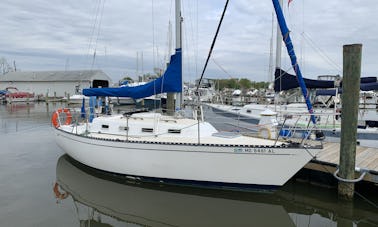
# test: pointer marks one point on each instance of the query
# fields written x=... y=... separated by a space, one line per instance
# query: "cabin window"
x=178 y=131
x=249 y=111
x=147 y=129
x=104 y=126
x=123 y=128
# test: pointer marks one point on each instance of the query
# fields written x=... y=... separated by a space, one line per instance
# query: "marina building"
x=54 y=83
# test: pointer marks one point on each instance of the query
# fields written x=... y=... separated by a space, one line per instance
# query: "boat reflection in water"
x=103 y=199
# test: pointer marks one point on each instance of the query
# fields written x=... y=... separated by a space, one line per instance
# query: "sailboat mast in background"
x=171 y=104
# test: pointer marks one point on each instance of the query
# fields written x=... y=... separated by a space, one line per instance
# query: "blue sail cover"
x=285 y=81
x=368 y=80
x=171 y=81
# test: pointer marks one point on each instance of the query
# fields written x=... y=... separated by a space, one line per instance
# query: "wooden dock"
x=328 y=160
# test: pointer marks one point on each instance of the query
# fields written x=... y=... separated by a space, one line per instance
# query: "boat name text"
x=258 y=150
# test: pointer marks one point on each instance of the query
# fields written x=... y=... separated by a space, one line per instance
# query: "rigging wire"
x=98 y=32
x=212 y=45
x=307 y=39
x=321 y=52
x=93 y=29
x=153 y=33
x=191 y=65
x=216 y=63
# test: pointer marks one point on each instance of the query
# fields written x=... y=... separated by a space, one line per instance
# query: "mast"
x=171 y=104
x=278 y=44
x=179 y=98
x=290 y=50
x=270 y=71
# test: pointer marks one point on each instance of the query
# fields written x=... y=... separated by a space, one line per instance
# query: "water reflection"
x=102 y=199
x=17 y=117
x=25 y=107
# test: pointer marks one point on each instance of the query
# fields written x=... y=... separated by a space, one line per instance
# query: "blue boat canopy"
x=369 y=86
x=285 y=81
x=327 y=92
x=171 y=81
x=365 y=80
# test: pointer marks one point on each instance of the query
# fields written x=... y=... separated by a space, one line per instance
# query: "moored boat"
x=75 y=99
x=175 y=148
x=152 y=145
x=14 y=95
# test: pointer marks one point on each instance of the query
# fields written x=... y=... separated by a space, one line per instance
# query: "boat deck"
x=328 y=159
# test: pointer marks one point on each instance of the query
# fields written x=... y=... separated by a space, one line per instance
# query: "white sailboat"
x=176 y=149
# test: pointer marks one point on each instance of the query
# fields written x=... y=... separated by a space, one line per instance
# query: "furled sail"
x=171 y=81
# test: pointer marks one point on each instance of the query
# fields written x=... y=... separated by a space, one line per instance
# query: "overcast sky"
x=58 y=35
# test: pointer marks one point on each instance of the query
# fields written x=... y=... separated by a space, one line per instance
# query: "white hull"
x=11 y=100
x=220 y=163
x=76 y=99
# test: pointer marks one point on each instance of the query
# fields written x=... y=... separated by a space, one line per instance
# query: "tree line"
x=220 y=84
x=243 y=84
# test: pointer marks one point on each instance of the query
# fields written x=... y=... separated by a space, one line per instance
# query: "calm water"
x=31 y=164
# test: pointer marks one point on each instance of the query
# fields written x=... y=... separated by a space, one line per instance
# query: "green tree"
x=245 y=83
x=240 y=84
x=127 y=78
x=260 y=85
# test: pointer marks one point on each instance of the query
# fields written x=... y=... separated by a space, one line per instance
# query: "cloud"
x=54 y=35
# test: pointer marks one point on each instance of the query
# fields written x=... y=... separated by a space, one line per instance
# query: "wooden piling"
x=350 y=101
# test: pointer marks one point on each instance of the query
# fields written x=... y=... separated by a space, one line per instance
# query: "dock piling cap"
x=268 y=112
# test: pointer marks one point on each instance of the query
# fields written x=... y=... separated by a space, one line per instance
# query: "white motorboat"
x=75 y=99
